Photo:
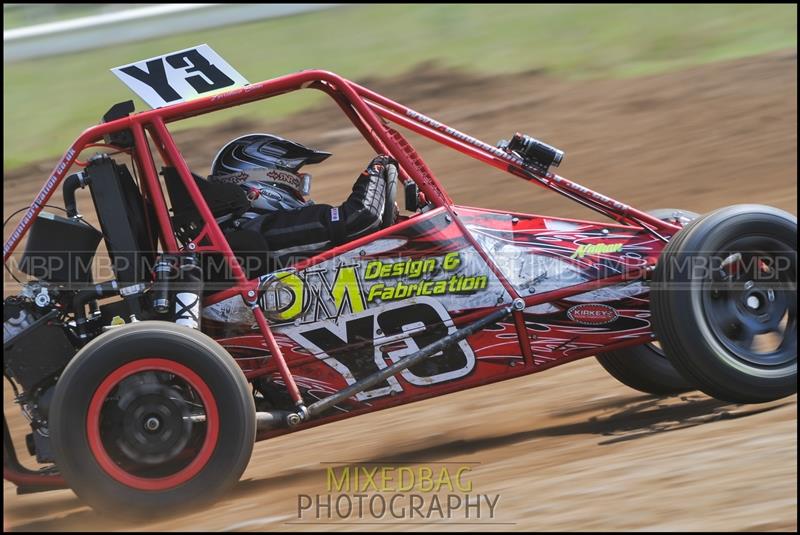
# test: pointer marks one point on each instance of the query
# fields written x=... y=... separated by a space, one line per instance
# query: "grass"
x=48 y=102
x=21 y=15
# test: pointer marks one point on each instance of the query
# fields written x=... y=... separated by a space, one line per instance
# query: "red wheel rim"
x=96 y=443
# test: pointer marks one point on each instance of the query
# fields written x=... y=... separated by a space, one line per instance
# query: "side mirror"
x=412 y=195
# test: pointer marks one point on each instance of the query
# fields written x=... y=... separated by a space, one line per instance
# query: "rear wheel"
x=152 y=418
x=646 y=367
x=724 y=303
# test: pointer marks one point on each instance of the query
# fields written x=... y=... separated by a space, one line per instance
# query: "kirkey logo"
x=592 y=314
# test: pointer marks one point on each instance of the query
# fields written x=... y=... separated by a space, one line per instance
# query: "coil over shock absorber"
x=178 y=289
x=189 y=292
x=164 y=273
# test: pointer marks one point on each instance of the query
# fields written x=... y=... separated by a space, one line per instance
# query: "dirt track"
x=568 y=449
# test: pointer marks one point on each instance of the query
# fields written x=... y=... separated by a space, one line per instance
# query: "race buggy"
x=145 y=391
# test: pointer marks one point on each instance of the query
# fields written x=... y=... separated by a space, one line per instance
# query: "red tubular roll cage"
x=369 y=112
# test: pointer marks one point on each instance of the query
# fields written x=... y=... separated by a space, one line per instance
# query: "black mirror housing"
x=412 y=195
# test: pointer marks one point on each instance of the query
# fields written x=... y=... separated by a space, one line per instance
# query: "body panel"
x=355 y=310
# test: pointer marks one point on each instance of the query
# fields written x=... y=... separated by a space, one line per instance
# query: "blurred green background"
x=48 y=102
x=23 y=15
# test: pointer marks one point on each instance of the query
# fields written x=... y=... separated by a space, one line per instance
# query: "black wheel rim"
x=749 y=300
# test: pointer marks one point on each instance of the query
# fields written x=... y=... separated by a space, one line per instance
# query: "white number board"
x=179 y=76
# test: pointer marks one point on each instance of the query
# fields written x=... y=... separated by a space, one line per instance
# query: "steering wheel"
x=390 y=210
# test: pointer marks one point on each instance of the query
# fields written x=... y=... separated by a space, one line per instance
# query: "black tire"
x=723 y=280
x=646 y=367
x=171 y=465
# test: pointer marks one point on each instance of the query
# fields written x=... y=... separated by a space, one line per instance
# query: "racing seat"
x=125 y=218
x=226 y=202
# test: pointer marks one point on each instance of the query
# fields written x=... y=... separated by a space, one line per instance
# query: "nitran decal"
x=595 y=249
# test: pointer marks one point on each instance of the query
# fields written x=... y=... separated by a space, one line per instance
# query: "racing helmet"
x=267 y=168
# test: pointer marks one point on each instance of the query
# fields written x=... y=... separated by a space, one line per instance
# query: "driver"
x=267 y=168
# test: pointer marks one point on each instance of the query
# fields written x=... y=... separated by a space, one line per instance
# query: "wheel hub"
x=760 y=307
x=756 y=299
x=152 y=424
x=155 y=423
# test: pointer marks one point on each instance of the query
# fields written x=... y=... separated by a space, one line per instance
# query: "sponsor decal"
x=595 y=249
x=414 y=269
x=39 y=201
x=360 y=280
x=271 y=192
x=284 y=177
x=608 y=201
x=454 y=285
x=592 y=314
x=313 y=296
x=433 y=123
x=361 y=345
x=230 y=178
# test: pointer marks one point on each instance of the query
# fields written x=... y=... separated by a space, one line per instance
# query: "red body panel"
x=536 y=256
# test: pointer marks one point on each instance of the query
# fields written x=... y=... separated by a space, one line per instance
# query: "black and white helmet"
x=266 y=167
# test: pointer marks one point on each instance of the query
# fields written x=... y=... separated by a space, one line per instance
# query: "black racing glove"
x=364 y=210
x=380 y=165
x=386 y=167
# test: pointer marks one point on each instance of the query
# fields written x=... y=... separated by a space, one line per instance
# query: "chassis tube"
x=25 y=478
x=631 y=275
x=348 y=110
x=215 y=233
x=482 y=151
x=156 y=194
x=44 y=195
x=218 y=240
x=430 y=187
x=357 y=120
x=275 y=351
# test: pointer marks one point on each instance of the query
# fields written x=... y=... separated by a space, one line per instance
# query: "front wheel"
x=724 y=303
x=151 y=418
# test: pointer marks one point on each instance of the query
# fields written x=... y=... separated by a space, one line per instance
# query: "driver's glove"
x=363 y=210
x=383 y=166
